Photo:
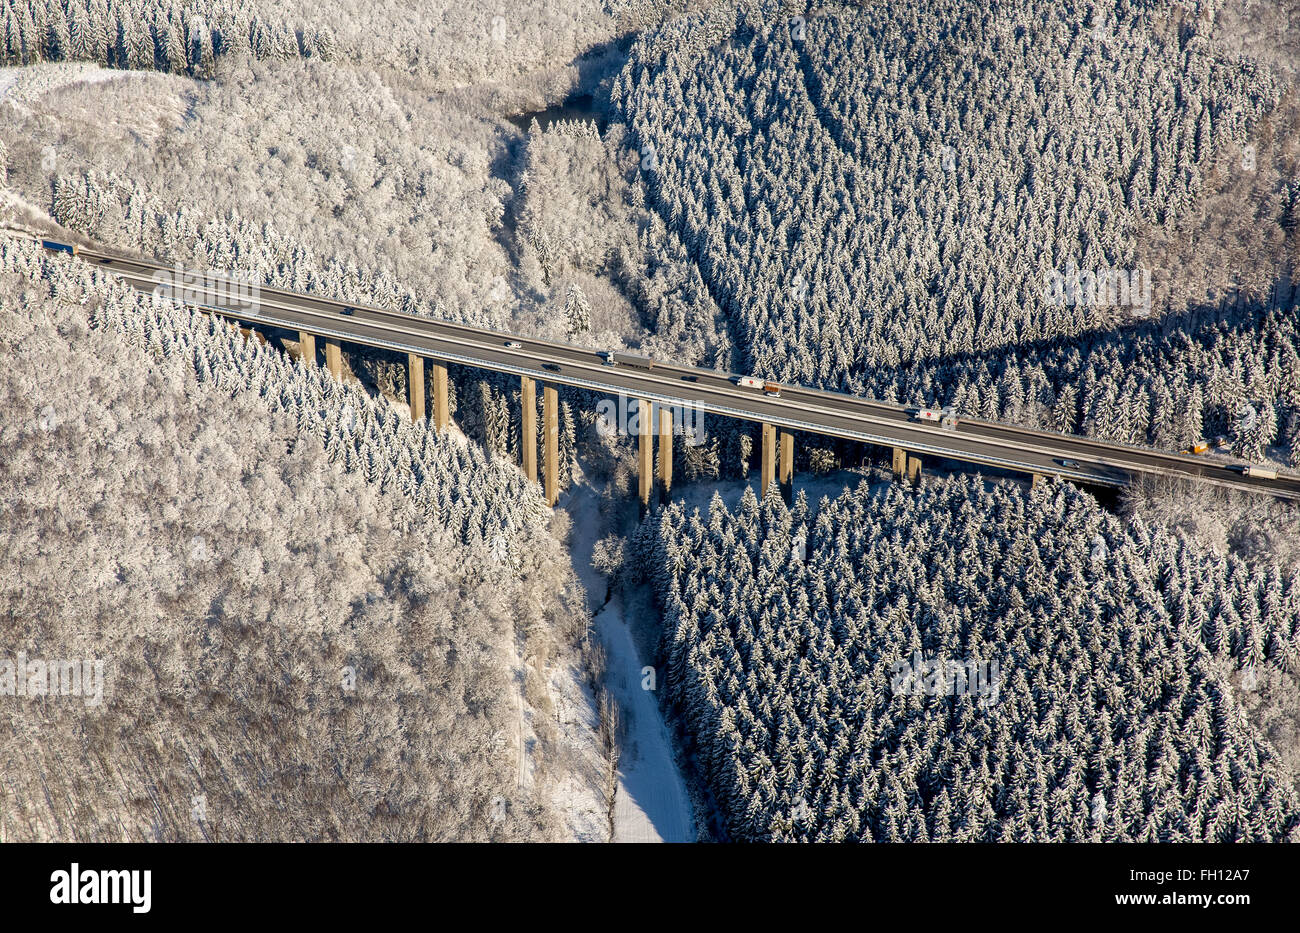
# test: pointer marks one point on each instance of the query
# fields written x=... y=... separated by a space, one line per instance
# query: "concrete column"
x=646 y=452
x=551 y=436
x=441 y=411
x=914 y=470
x=251 y=333
x=334 y=357
x=528 y=438
x=900 y=463
x=1037 y=479
x=768 y=472
x=665 y=451
x=785 y=467
x=307 y=346
x=415 y=385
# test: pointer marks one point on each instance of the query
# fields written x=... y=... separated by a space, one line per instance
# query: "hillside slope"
x=1075 y=216
x=1086 y=685
x=290 y=650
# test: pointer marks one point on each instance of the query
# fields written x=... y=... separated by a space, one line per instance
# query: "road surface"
x=833 y=414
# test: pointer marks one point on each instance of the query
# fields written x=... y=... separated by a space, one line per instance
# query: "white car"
x=514 y=345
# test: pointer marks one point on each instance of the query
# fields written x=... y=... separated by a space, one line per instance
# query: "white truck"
x=1259 y=472
x=946 y=418
x=767 y=386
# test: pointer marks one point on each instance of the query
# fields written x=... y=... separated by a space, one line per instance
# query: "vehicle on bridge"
x=631 y=359
x=944 y=417
x=1259 y=472
x=514 y=345
x=608 y=357
x=56 y=246
x=753 y=382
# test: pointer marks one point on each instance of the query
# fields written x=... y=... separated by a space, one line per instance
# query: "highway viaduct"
x=662 y=387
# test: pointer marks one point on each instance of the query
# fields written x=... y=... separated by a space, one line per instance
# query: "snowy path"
x=651 y=804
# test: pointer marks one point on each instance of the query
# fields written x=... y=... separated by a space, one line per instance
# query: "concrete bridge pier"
x=551 y=435
x=307 y=346
x=441 y=410
x=767 y=473
x=900 y=463
x=914 y=470
x=334 y=357
x=415 y=385
x=528 y=440
x=645 y=451
x=665 y=452
x=785 y=467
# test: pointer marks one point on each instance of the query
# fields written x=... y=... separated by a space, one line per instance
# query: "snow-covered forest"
x=1164 y=384
x=441 y=206
x=1081 y=216
x=290 y=588
x=242 y=166
x=1123 y=655
x=444 y=44
x=888 y=199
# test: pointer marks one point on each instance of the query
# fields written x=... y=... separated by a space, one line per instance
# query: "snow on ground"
x=17 y=213
x=575 y=796
x=22 y=84
x=578 y=802
x=651 y=804
x=831 y=485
